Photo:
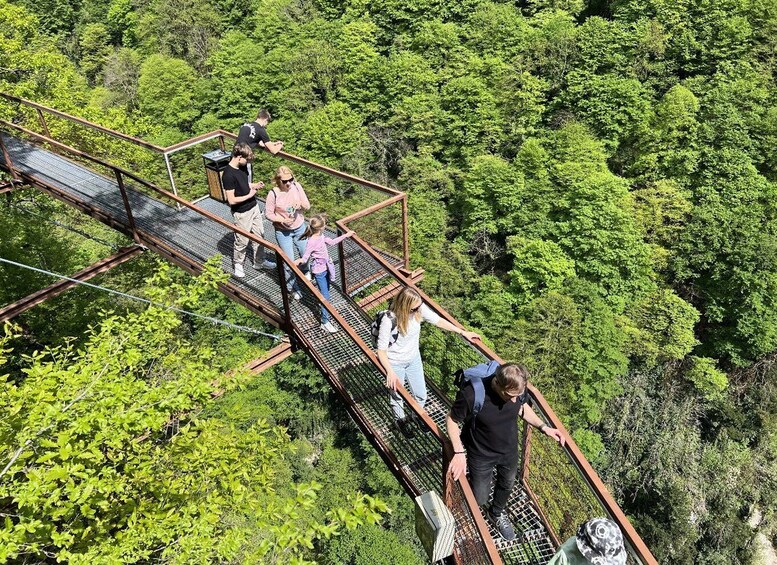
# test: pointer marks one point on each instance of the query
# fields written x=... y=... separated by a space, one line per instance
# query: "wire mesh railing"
x=564 y=487
x=124 y=151
x=567 y=463
x=180 y=168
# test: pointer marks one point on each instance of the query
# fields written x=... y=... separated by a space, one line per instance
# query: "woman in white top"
x=402 y=358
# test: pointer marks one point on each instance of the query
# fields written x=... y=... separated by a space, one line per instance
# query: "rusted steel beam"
x=526 y=452
x=273 y=357
x=343 y=265
x=8 y=161
x=535 y=501
x=130 y=219
x=279 y=257
x=371 y=209
x=10 y=186
x=42 y=119
x=571 y=448
x=83 y=122
x=195 y=140
x=269 y=359
x=20 y=306
x=405 y=233
x=389 y=291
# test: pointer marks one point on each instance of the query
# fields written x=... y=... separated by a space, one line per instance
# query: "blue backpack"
x=474 y=376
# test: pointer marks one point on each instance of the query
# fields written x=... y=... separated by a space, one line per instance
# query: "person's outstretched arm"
x=338 y=239
x=273 y=147
x=530 y=416
x=444 y=324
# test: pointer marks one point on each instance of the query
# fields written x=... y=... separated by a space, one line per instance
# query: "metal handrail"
x=83 y=122
x=222 y=134
x=570 y=447
x=282 y=259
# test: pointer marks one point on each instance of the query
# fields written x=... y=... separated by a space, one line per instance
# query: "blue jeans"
x=481 y=475
x=287 y=241
x=322 y=280
x=411 y=373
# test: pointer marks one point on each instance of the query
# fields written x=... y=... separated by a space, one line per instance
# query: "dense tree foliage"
x=592 y=185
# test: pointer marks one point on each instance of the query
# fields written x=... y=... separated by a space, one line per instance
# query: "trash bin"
x=215 y=163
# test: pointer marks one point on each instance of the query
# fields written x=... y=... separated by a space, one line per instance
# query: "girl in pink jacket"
x=321 y=265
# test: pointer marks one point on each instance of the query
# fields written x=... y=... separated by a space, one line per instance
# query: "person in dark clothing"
x=491 y=440
x=254 y=134
x=241 y=196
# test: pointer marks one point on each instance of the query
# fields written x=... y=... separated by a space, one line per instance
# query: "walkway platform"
x=189 y=239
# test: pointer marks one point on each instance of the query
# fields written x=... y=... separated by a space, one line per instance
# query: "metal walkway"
x=185 y=234
x=557 y=488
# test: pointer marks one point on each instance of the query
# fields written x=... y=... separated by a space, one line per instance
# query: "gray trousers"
x=253 y=222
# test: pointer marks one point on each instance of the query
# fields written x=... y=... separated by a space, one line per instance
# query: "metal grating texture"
x=443 y=354
x=185 y=233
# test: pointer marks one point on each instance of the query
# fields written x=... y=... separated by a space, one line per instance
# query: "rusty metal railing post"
x=280 y=265
x=341 y=254
x=8 y=160
x=130 y=219
x=405 y=234
x=526 y=453
x=43 y=124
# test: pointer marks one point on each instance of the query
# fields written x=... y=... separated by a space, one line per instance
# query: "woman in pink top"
x=320 y=264
x=282 y=208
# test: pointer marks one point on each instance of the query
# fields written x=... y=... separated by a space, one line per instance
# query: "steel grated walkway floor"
x=198 y=238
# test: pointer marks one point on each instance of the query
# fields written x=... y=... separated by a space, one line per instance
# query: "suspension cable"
x=113 y=246
x=146 y=301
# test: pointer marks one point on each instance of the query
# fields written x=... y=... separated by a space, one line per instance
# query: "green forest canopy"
x=591 y=185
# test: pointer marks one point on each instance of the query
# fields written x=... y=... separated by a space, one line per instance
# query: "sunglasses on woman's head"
x=416 y=309
x=287 y=181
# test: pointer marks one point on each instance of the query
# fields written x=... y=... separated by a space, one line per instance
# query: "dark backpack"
x=375 y=327
x=474 y=376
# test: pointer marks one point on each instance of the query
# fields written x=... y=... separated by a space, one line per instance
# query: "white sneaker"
x=296 y=296
x=308 y=275
x=328 y=327
x=239 y=272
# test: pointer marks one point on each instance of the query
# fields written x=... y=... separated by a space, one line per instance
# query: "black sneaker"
x=405 y=426
x=503 y=525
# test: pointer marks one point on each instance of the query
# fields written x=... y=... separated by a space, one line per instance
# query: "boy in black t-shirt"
x=491 y=441
x=241 y=196
x=255 y=133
